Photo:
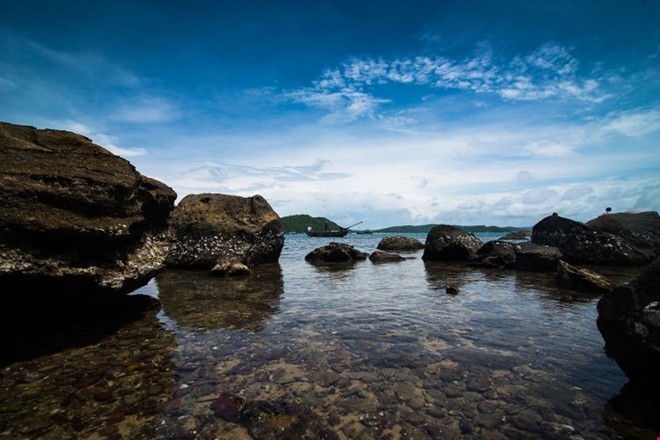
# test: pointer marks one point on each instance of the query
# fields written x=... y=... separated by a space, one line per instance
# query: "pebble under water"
x=357 y=351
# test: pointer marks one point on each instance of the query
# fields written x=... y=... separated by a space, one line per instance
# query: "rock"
x=400 y=243
x=629 y=321
x=641 y=229
x=219 y=231
x=228 y=407
x=230 y=268
x=385 y=257
x=536 y=258
x=581 y=244
x=582 y=280
x=448 y=243
x=451 y=289
x=495 y=254
x=522 y=235
x=336 y=253
x=76 y=219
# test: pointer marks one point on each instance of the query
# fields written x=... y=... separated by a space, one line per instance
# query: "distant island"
x=298 y=224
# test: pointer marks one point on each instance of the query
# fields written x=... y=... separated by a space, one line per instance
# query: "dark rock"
x=336 y=253
x=385 y=257
x=581 y=280
x=400 y=243
x=448 y=243
x=536 y=258
x=228 y=407
x=219 y=231
x=75 y=217
x=451 y=289
x=522 y=235
x=641 y=229
x=581 y=244
x=629 y=321
x=495 y=254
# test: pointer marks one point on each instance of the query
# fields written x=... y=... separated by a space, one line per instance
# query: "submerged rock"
x=336 y=253
x=400 y=243
x=448 y=243
x=76 y=219
x=222 y=231
x=582 y=280
x=629 y=321
x=581 y=244
x=385 y=257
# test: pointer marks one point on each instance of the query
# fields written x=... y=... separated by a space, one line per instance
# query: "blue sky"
x=390 y=112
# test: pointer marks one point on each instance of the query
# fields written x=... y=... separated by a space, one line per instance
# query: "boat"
x=341 y=232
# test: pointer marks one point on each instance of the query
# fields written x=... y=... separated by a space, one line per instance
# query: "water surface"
x=340 y=352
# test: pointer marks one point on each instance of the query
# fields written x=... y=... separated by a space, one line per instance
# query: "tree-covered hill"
x=300 y=222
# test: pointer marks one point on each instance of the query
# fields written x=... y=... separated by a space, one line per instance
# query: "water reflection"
x=195 y=300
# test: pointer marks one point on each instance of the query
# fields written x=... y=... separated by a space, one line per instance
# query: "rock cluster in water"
x=400 y=243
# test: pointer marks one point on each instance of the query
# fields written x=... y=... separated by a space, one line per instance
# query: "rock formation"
x=641 y=229
x=536 y=258
x=495 y=254
x=400 y=243
x=581 y=280
x=336 y=253
x=448 y=243
x=385 y=257
x=218 y=232
x=629 y=321
x=581 y=244
x=75 y=217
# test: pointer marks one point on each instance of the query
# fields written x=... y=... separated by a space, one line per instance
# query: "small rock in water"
x=228 y=407
x=451 y=289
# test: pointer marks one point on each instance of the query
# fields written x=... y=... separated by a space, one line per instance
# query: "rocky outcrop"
x=385 y=257
x=629 y=321
x=336 y=253
x=495 y=254
x=581 y=244
x=581 y=280
x=216 y=231
x=75 y=218
x=536 y=258
x=522 y=235
x=641 y=229
x=448 y=243
x=400 y=243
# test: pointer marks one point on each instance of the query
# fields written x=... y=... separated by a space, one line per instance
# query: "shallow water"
x=339 y=352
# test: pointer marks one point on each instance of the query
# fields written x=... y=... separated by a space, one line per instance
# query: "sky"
x=387 y=112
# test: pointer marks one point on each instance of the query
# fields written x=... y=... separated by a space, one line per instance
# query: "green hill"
x=299 y=223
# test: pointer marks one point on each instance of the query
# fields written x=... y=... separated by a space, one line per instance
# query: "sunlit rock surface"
x=218 y=230
x=75 y=217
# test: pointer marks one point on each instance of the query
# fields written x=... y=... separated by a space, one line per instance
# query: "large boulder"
x=535 y=257
x=336 y=253
x=629 y=321
x=641 y=229
x=495 y=254
x=215 y=231
x=400 y=243
x=448 y=243
x=75 y=218
x=581 y=244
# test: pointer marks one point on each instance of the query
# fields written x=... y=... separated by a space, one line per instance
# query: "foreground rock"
x=400 y=243
x=581 y=280
x=629 y=321
x=448 y=243
x=641 y=229
x=336 y=253
x=581 y=244
x=224 y=233
x=536 y=258
x=75 y=218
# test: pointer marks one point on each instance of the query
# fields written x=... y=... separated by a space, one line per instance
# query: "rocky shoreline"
x=80 y=228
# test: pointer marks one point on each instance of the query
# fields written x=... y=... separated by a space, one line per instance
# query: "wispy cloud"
x=148 y=109
x=106 y=141
x=549 y=72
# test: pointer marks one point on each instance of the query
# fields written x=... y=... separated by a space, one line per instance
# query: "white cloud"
x=106 y=141
x=146 y=110
x=635 y=123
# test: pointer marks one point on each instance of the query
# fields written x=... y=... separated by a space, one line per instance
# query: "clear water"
x=355 y=351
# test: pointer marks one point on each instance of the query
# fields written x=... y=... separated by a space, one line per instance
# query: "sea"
x=344 y=351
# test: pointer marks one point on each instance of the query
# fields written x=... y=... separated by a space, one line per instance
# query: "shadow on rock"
x=196 y=300
x=633 y=412
x=35 y=325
